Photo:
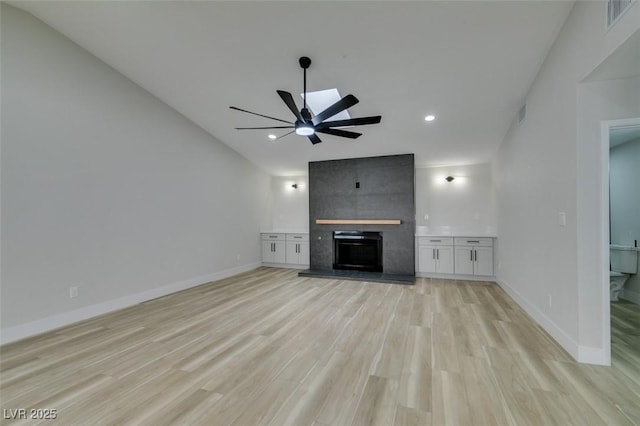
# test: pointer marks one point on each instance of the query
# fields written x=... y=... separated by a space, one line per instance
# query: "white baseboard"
x=631 y=296
x=591 y=355
x=285 y=265
x=32 y=328
x=584 y=354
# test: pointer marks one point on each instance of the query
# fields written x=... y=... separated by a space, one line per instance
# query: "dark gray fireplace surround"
x=364 y=188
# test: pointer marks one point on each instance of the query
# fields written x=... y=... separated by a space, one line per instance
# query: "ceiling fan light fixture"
x=305 y=130
x=324 y=122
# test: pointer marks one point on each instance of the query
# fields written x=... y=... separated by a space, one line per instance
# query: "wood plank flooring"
x=625 y=339
x=269 y=347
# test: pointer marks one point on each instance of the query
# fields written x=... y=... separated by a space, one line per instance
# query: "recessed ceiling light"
x=430 y=118
x=272 y=137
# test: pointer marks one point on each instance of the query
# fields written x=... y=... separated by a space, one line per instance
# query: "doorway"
x=621 y=202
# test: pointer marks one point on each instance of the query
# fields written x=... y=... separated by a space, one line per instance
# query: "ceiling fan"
x=305 y=124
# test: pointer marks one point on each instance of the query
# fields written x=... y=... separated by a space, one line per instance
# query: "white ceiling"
x=469 y=63
x=624 y=62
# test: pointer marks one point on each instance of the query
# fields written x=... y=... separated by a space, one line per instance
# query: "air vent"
x=615 y=9
x=522 y=114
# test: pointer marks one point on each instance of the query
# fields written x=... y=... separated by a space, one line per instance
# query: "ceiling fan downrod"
x=305 y=62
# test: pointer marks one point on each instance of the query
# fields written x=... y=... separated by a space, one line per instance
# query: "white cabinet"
x=435 y=255
x=285 y=249
x=483 y=261
x=273 y=248
x=297 y=249
x=458 y=257
x=473 y=256
x=464 y=260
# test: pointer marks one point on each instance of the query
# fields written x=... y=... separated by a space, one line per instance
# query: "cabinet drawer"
x=273 y=237
x=475 y=242
x=297 y=237
x=435 y=241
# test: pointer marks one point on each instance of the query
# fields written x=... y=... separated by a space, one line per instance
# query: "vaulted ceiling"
x=468 y=63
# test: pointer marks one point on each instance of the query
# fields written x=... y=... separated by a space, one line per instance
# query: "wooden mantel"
x=358 y=221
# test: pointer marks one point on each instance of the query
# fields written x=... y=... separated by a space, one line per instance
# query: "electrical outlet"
x=562 y=218
x=237 y=257
x=73 y=292
x=549 y=300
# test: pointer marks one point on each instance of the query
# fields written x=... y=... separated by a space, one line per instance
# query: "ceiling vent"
x=615 y=9
x=522 y=113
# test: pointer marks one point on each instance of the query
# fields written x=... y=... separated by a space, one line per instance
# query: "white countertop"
x=460 y=234
x=450 y=231
x=420 y=232
x=284 y=231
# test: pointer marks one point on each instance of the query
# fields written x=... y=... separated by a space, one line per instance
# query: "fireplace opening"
x=356 y=250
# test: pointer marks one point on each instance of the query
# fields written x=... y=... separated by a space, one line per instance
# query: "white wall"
x=465 y=205
x=597 y=101
x=624 y=175
x=108 y=189
x=290 y=206
x=550 y=164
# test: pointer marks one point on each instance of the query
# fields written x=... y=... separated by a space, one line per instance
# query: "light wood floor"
x=268 y=347
x=625 y=339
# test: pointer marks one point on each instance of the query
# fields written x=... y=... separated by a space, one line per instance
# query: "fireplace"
x=357 y=250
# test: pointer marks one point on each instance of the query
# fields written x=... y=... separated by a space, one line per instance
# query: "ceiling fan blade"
x=260 y=115
x=343 y=133
x=288 y=99
x=351 y=122
x=314 y=139
x=262 y=128
x=344 y=103
x=286 y=134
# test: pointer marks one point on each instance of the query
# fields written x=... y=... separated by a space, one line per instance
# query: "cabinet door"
x=445 y=260
x=292 y=252
x=267 y=251
x=280 y=255
x=483 y=264
x=464 y=261
x=303 y=253
x=426 y=259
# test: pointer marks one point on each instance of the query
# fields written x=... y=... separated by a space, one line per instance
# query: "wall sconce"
x=294 y=186
x=449 y=178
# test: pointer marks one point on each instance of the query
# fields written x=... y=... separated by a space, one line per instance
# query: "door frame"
x=606 y=127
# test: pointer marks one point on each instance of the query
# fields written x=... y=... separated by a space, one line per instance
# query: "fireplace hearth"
x=357 y=250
